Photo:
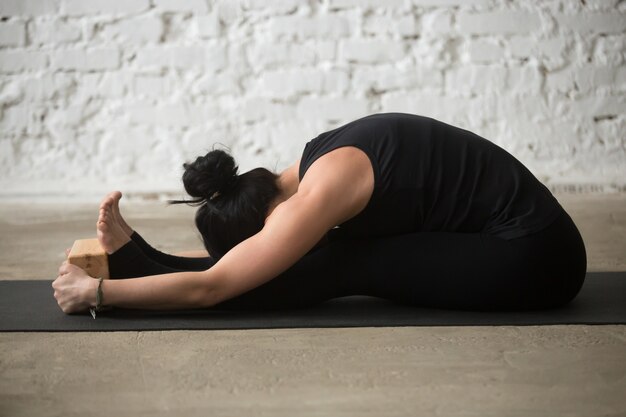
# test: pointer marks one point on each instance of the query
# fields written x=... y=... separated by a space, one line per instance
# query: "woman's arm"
x=75 y=291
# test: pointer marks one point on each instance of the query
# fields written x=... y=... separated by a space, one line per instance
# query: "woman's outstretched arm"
x=336 y=188
x=75 y=291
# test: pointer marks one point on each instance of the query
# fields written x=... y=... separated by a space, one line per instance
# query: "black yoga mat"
x=30 y=306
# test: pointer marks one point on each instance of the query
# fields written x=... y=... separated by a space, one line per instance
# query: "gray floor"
x=448 y=371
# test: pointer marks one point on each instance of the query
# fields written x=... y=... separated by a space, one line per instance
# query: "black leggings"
x=470 y=271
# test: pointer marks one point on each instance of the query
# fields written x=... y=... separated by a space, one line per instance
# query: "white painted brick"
x=378 y=25
x=284 y=84
x=135 y=30
x=229 y=11
x=323 y=50
x=589 y=78
x=592 y=22
x=437 y=22
x=520 y=46
x=153 y=57
x=334 y=109
x=7 y=156
x=236 y=59
x=484 y=51
x=289 y=138
x=54 y=31
x=178 y=114
x=210 y=57
x=11 y=94
x=151 y=86
x=103 y=85
x=208 y=26
x=343 y=4
x=270 y=55
x=272 y=6
x=261 y=108
x=47 y=87
x=386 y=78
x=437 y=52
x=561 y=81
x=601 y=77
x=23 y=119
x=407 y=26
x=179 y=28
x=196 y=6
x=620 y=77
x=445 y=3
x=371 y=51
x=28 y=7
x=183 y=57
x=551 y=47
x=36 y=145
x=524 y=80
x=335 y=81
x=611 y=133
x=550 y=52
x=188 y=57
x=607 y=5
x=475 y=79
x=303 y=27
x=584 y=79
x=223 y=83
x=500 y=22
x=83 y=7
x=12 y=34
x=75 y=114
x=87 y=60
x=198 y=140
x=597 y=106
x=16 y=61
x=610 y=50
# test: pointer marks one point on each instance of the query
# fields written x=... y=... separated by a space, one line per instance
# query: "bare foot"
x=110 y=234
x=113 y=199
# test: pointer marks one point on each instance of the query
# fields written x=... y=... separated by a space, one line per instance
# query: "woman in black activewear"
x=391 y=205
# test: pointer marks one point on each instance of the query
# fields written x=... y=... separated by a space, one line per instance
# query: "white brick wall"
x=101 y=94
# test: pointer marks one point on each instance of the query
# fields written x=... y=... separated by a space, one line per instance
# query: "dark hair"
x=232 y=207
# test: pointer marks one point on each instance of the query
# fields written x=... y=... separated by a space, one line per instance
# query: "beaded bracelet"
x=98 y=307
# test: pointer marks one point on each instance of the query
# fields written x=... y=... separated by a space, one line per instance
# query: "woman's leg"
x=117 y=224
x=468 y=270
x=126 y=260
x=172 y=261
x=130 y=261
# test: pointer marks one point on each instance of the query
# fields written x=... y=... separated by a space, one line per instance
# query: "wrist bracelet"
x=98 y=306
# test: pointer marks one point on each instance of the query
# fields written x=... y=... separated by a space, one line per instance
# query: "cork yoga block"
x=89 y=255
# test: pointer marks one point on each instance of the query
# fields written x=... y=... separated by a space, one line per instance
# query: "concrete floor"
x=449 y=371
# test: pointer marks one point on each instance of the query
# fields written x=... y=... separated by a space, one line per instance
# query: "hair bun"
x=213 y=173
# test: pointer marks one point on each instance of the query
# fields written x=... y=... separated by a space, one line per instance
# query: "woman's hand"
x=74 y=290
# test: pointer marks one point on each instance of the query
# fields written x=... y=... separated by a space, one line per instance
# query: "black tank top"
x=430 y=176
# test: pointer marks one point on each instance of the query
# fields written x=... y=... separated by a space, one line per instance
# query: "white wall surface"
x=102 y=94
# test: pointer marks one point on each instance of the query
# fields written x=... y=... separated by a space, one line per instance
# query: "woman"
x=391 y=205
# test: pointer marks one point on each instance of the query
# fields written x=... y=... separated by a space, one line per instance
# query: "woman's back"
x=430 y=176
